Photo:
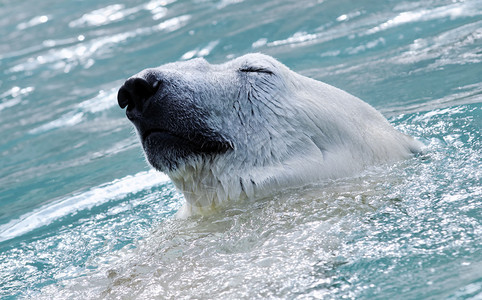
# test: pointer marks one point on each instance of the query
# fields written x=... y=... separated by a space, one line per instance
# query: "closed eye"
x=255 y=70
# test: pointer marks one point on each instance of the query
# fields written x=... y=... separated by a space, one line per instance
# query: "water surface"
x=83 y=216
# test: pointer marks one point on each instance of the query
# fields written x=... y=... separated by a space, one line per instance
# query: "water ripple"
x=453 y=11
x=86 y=51
x=70 y=229
x=56 y=210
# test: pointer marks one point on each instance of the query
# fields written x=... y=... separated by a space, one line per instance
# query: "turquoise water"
x=83 y=216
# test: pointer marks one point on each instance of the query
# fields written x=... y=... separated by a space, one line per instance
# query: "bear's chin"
x=166 y=151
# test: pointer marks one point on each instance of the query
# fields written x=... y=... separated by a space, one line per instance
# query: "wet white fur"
x=289 y=133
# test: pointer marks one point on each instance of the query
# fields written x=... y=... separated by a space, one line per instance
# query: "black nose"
x=135 y=92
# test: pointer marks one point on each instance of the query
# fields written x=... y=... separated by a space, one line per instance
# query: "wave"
x=71 y=205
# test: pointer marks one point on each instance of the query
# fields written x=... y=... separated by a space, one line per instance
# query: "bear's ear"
x=254 y=69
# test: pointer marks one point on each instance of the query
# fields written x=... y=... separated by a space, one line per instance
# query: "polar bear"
x=251 y=126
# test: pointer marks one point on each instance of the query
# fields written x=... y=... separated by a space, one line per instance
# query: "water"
x=82 y=215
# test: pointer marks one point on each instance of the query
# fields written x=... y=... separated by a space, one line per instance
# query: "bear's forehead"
x=254 y=60
x=201 y=64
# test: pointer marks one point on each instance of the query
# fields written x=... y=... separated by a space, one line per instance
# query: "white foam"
x=104 y=100
x=259 y=43
x=297 y=38
x=14 y=96
x=200 y=52
x=33 y=22
x=452 y=11
x=116 y=12
x=106 y=15
x=67 y=120
x=85 y=51
x=73 y=204
x=452 y=47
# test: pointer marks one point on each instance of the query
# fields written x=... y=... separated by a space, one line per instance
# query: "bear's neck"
x=204 y=190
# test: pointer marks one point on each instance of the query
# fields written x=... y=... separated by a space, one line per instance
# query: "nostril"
x=140 y=88
x=135 y=92
x=123 y=97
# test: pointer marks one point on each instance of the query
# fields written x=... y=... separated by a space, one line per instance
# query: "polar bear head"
x=250 y=126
